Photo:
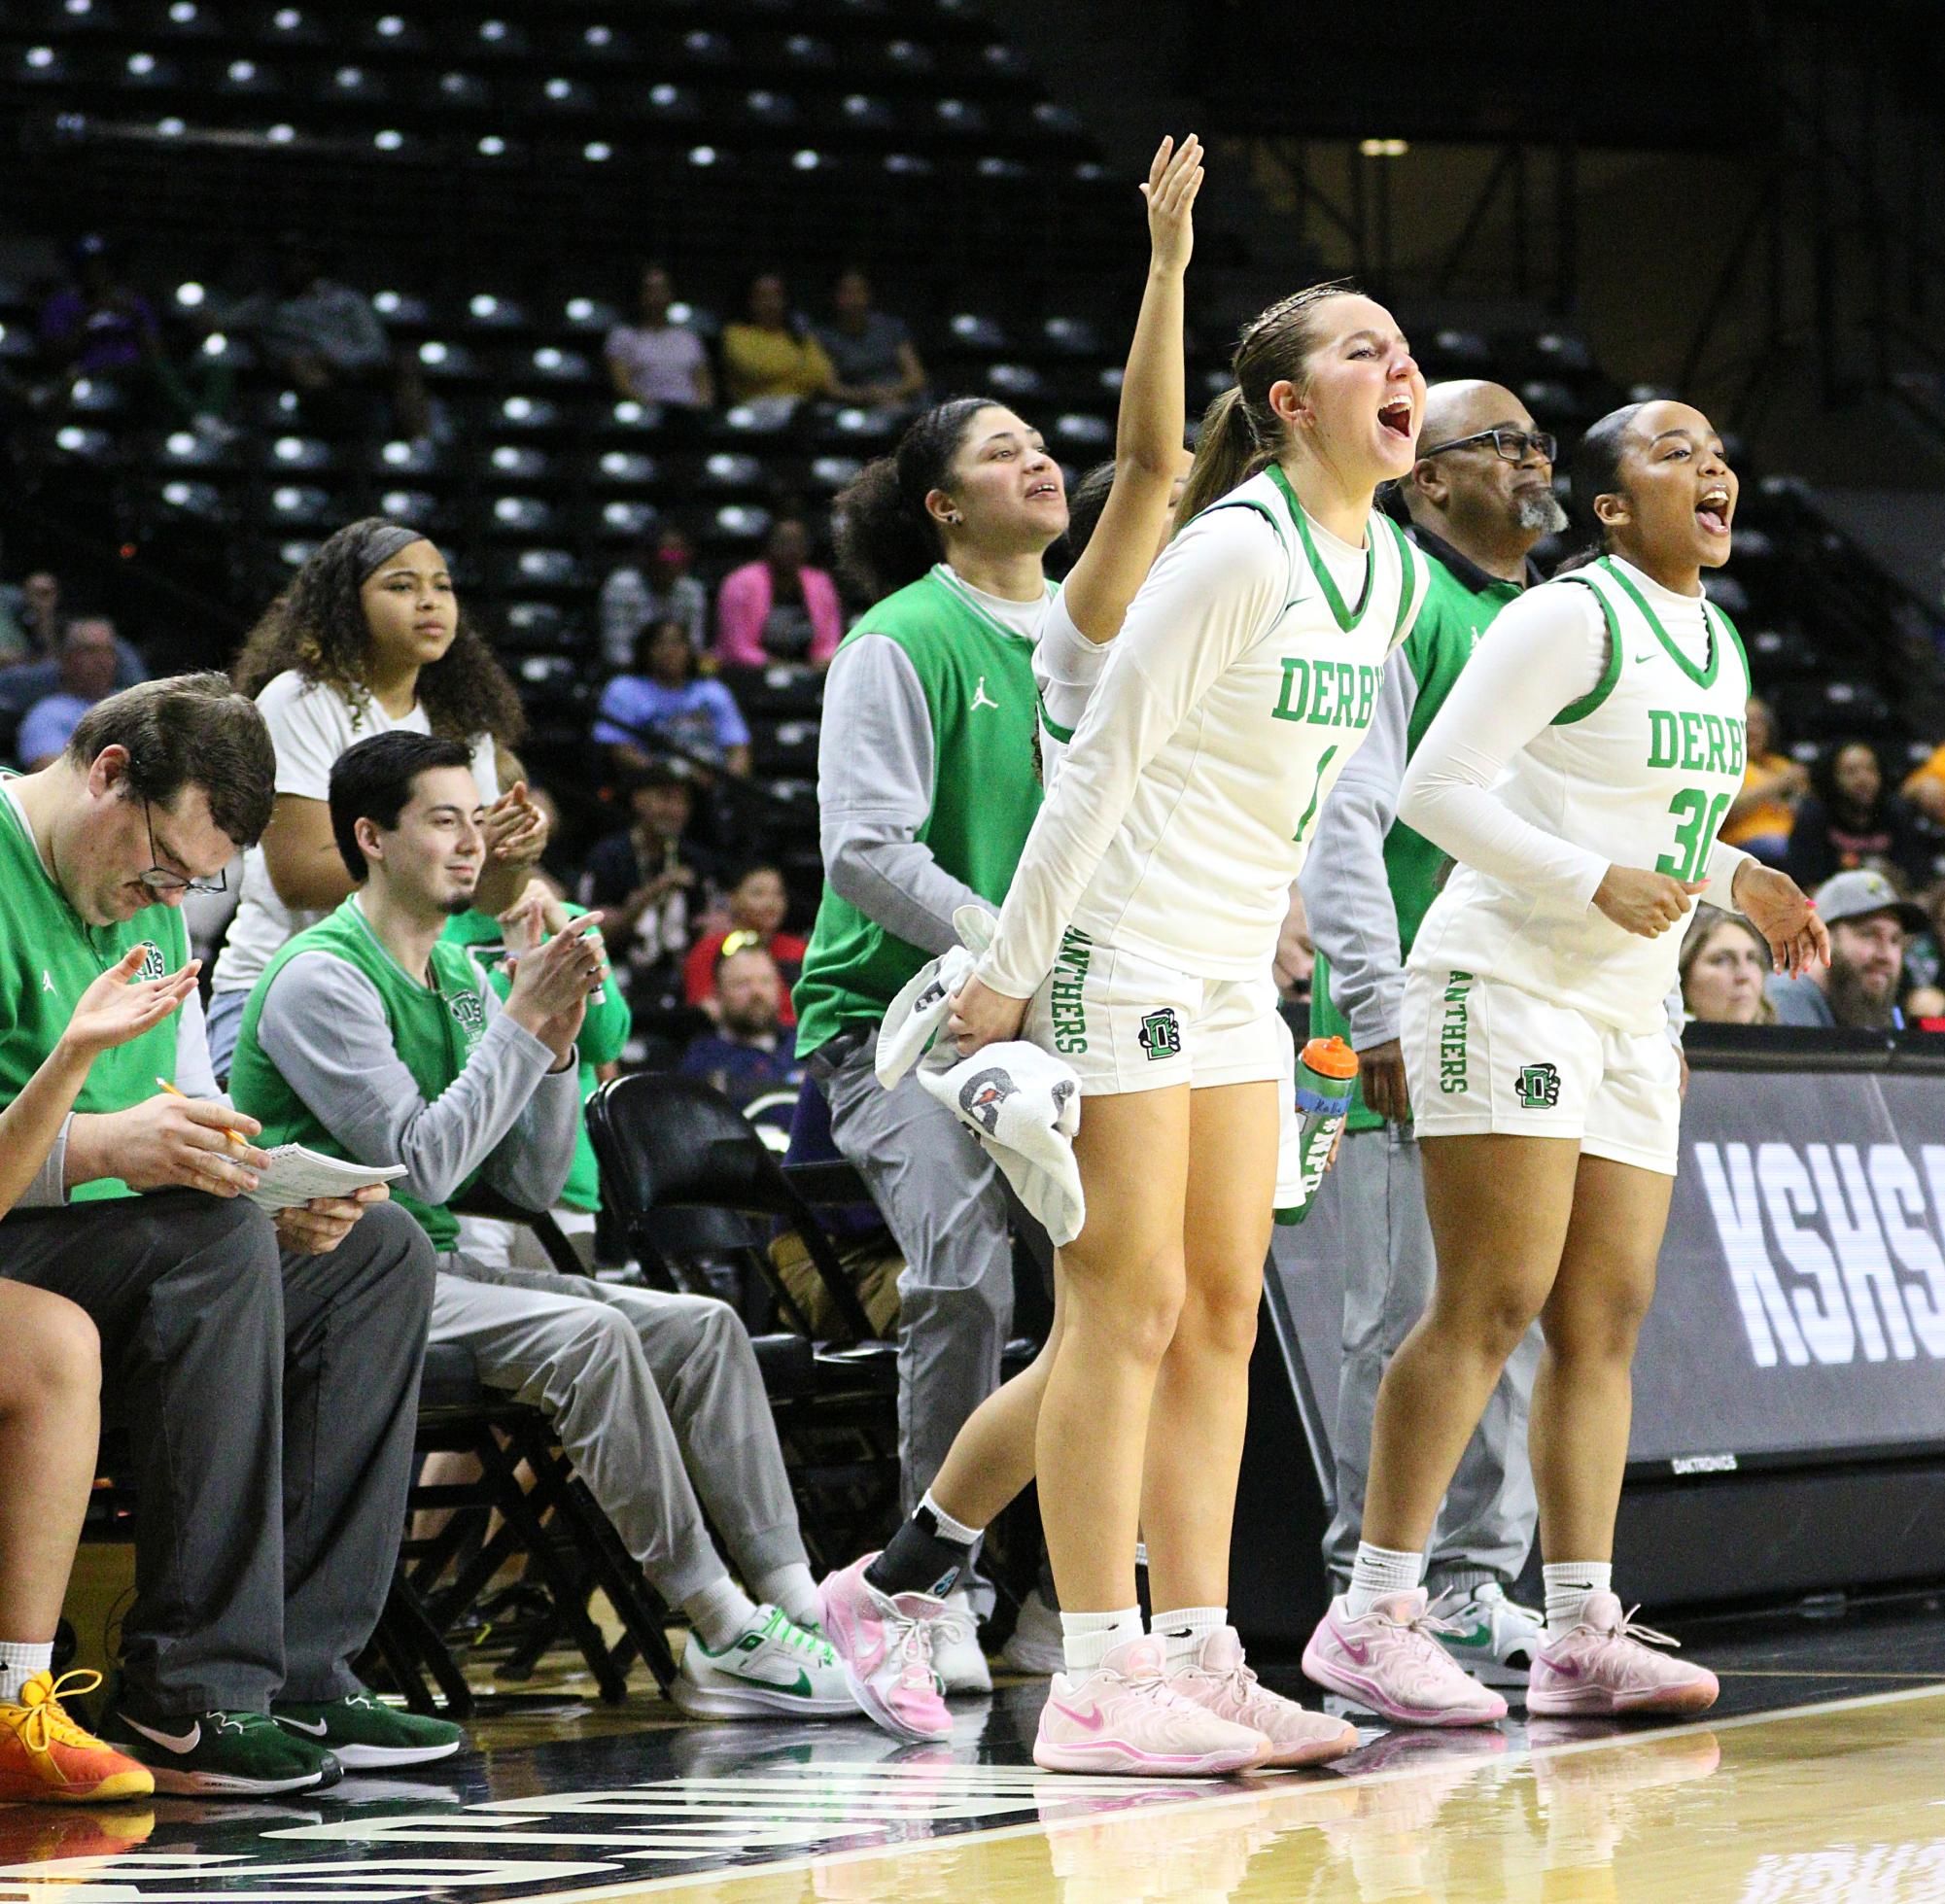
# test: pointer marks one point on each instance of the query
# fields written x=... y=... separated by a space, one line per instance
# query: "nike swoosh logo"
x=1480 y=1636
x=1648 y=656
x=1566 y=1669
x=1087 y=1721
x=1360 y=1653
x=315 y=1731
x=186 y=1742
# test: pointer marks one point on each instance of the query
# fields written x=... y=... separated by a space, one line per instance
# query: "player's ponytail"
x=1596 y=471
x=1241 y=431
x=886 y=537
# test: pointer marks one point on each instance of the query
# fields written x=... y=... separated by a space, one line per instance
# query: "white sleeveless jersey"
x=1239 y=685
x=1640 y=771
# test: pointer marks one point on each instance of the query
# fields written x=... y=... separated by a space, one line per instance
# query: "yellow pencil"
x=174 y=1092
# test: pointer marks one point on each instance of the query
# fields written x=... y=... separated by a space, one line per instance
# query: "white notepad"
x=295 y=1175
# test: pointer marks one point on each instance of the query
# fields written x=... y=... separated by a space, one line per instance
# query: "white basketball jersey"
x=1642 y=771
x=1197 y=875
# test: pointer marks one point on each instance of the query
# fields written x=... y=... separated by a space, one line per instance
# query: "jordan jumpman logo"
x=981 y=699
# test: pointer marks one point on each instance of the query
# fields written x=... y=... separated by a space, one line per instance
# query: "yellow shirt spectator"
x=1925 y=787
x=764 y=353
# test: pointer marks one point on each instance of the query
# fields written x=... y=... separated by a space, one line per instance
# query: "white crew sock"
x=1182 y=1633
x=20 y=1661
x=1087 y=1639
x=791 y=1587
x=1569 y=1583
x=1377 y=1574
x=719 y=1613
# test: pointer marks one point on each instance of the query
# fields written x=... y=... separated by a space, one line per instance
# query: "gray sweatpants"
x=1484 y=1530
x=947 y=1207
x=269 y=1402
x=645 y=1390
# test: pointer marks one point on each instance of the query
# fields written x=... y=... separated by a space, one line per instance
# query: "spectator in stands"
x=1924 y=959
x=1924 y=787
x=328 y=340
x=649 y=881
x=748 y=1053
x=100 y=328
x=1851 y=818
x=779 y=608
x=769 y=356
x=758 y=904
x=872 y=361
x=22 y=686
x=40 y=612
x=656 y=586
x=1724 y=962
x=655 y=360
x=50 y=1421
x=370 y=635
x=349 y=1047
x=1870 y=925
x=1764 y=813
x=234 y=1334
x=87 y=675
x=664 y=700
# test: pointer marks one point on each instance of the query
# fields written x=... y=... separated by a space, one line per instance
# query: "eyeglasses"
x=159 y=878
x=1512 y=444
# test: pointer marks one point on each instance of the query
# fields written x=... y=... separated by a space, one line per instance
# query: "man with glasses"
x=265 y=1370
x=1481 y=496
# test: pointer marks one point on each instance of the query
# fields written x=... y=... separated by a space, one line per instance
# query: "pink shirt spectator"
x=744 y=605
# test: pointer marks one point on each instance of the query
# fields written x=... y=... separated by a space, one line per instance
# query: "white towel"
x=1020 y=1103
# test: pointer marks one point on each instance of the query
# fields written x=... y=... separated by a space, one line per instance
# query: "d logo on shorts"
x=981 y=1095
x=1161 y=1034
x=1539 y=1086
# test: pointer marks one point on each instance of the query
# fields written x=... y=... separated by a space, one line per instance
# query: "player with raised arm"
x=886 y=1609
x=1579 y=771
x=1137 y=942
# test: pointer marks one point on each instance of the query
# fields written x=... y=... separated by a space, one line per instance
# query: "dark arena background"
x=1740 y=205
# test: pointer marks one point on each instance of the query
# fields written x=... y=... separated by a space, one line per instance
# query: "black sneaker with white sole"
x=220 y=1754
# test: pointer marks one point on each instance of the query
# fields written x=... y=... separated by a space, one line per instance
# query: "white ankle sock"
x=1182 y=1633
x=20 y=1661
x=957 y=1532
x=1378 y=1573
x=1087 y=1639
x=791 y=1587
x=719 y=1613
x=1569 y=1583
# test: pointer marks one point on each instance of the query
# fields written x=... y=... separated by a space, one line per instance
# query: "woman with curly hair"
x=369 y=637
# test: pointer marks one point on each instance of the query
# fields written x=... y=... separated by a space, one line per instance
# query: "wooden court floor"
x=1821 y=1779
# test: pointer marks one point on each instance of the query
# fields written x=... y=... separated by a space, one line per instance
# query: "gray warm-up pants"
x=645 y=1390
x=1484 y=1530
x=268 y=1402
x=947 y=1210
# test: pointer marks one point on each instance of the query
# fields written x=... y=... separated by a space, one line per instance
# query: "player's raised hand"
x=1172 y=183
x=1644 y=903
x=1780 y=910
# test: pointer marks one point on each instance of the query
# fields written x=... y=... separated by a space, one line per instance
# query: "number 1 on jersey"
x=1698 y=820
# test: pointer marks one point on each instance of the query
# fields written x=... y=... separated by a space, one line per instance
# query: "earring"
x=955 y=517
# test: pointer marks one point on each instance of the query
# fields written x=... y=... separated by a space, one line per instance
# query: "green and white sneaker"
x=1493 y=1637
x=220 y=1754
x=362 y=1730
x=772 y=1666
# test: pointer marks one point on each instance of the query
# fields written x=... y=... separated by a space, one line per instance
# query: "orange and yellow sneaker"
x=43 y=1754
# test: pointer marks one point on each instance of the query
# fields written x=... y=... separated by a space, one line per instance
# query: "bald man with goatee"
x=1481 y=496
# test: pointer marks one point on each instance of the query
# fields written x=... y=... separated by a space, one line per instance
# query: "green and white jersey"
x=49 y=957
x=926 y=789
x=1599 y=723
x=1242 y=681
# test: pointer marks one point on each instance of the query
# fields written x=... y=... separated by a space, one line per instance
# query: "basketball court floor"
x=1819 y=1778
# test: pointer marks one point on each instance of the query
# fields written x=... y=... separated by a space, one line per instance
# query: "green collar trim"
x=1346 y=618
x=1704 y=677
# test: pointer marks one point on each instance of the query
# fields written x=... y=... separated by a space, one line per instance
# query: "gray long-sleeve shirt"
x=875 y=766
x=506 y=1115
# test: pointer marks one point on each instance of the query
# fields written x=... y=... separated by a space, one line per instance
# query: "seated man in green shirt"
x=266 y=1369
x=373 y=1036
